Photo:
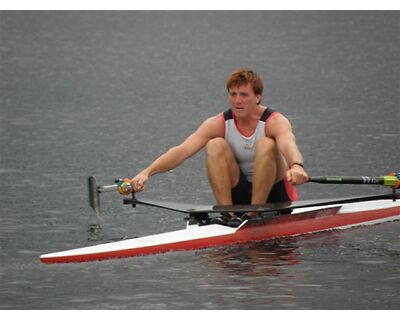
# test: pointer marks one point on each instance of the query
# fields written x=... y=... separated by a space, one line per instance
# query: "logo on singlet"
x=247 y=145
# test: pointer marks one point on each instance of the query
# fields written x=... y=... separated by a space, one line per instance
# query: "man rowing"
x=251 y=152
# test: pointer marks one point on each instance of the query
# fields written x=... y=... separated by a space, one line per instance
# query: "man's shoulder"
x=218 y=119
x=277 y=123
x=274 y=115
x=214 y=123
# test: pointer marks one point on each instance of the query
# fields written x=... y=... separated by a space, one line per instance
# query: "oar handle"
x=114 y=187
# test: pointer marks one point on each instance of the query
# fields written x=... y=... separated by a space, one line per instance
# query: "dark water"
x=106 y=92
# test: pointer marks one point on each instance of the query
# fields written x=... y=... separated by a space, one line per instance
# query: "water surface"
x=106 y=92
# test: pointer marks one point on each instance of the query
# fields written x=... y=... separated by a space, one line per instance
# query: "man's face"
x=243 y=100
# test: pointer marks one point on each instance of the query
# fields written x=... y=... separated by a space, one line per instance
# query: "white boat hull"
x=300 y=221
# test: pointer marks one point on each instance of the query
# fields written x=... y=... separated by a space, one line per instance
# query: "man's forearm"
x=166 y=162
x=290 y=151
x=294 y=156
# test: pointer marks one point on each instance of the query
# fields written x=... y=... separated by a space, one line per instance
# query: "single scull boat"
x=273 y=221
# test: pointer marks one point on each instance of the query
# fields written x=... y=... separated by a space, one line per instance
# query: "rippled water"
x=105 y=93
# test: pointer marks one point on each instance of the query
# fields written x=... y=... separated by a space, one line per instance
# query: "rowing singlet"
x=244 y=147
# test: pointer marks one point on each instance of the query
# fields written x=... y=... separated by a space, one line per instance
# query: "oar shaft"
x=113 y=187
x=352 y=180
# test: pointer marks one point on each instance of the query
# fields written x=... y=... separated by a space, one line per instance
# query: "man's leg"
x=222 y=170
x=267 y=169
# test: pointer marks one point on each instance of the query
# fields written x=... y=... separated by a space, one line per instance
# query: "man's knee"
x=219 y=152
x=216 y=147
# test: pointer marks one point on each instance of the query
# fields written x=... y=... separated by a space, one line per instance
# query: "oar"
x=392 y=180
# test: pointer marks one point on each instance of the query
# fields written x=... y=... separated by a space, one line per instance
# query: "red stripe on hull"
x=282 y=226
x=300 y=224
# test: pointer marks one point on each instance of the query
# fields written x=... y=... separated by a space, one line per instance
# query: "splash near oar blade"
x=94 y=195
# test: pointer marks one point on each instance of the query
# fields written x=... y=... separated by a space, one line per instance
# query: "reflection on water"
x=94 y=232
x=263 y=258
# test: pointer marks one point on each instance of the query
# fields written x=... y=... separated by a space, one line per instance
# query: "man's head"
x=245 y=76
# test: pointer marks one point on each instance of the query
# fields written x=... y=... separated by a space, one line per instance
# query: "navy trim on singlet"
x=266 y=114
x=228 y=114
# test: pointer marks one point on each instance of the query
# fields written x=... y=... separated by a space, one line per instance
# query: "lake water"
x=106 y=92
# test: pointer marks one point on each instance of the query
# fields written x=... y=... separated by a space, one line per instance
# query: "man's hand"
x=296 y=175
x=139 y=181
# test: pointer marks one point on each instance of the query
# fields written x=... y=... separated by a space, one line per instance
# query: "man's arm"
x=209 y=129
x=280 y=129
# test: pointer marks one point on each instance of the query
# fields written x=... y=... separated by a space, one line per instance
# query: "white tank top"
x=243 y=146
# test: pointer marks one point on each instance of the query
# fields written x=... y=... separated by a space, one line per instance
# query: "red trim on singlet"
x=291 y=190
x=273 y=115
x=240 y=131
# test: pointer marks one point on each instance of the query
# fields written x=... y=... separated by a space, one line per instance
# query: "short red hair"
x=243 y=77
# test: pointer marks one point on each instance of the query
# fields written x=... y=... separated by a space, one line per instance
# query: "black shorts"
x=241 y=194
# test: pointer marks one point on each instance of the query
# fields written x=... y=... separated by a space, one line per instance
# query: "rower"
x=251 y=152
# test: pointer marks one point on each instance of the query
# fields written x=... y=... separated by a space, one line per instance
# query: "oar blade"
x=94 y=194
